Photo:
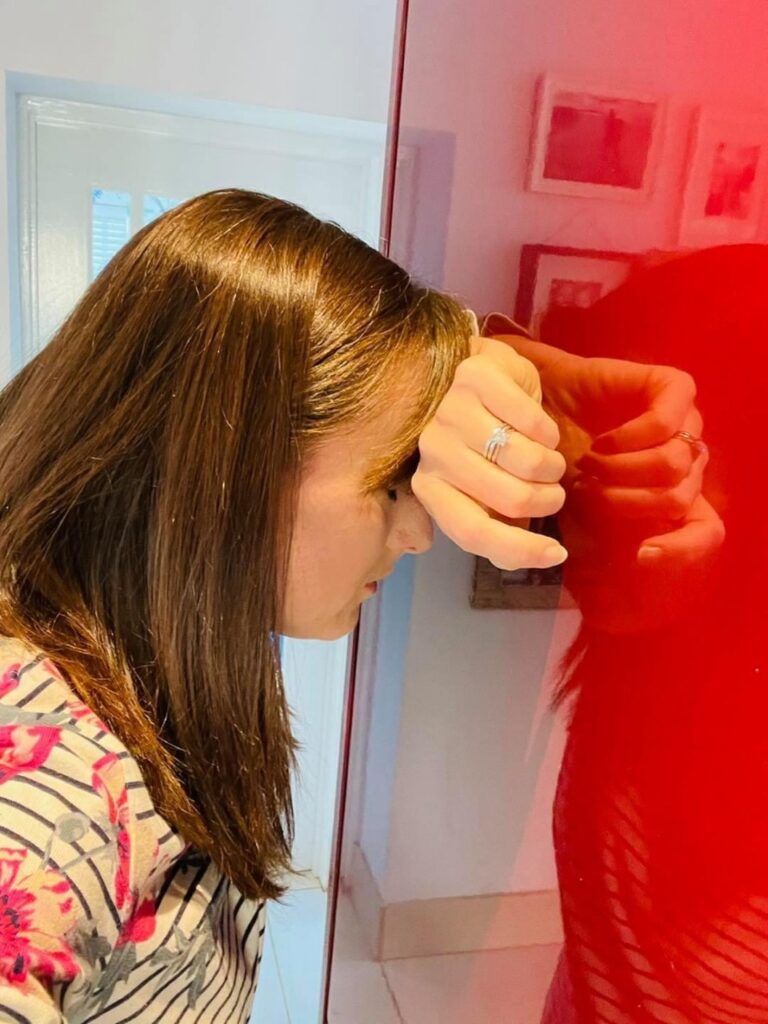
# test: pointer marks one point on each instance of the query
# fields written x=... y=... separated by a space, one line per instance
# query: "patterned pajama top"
x=106 y=914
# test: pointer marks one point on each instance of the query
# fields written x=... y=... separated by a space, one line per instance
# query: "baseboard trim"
x=453 y=924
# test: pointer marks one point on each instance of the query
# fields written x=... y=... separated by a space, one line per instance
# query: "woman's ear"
x=494 y=324
x=474 y=326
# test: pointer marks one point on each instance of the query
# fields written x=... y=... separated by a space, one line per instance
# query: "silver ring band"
x=696 y=443
x=496 y=442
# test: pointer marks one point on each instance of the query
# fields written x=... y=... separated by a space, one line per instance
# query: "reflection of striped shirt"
x=661 y=840
x=106 y=915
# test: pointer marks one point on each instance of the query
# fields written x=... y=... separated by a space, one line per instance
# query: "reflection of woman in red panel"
x=660 y=822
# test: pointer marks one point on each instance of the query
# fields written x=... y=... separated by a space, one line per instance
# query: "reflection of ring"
x=496 y=441
x=695 y=442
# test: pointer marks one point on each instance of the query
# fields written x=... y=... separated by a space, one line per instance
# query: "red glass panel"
x=556 y=783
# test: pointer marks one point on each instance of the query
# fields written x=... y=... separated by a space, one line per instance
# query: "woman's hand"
x=618 y=420
x=462 y=490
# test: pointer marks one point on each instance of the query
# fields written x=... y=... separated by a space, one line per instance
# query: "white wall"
x=332 y=58
x=478 y=751
x=384 y=715
x=477 y=757
x=694 y=51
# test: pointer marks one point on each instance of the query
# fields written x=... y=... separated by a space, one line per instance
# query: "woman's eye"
x=392 y=492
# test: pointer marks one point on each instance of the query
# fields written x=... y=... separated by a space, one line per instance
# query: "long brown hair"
x=150 y=460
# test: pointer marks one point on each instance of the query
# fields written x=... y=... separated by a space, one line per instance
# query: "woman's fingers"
x=470 y=527
x=471 y=425
x=700 y=535
x=480 y=378
x=463 y=490
x=491 y=485
x=665 y=464
x=671 y=393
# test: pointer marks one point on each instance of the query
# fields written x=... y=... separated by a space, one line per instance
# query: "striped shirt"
x=106 y=914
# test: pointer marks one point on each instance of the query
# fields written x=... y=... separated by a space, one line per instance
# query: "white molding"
x=131 y=98
x=368 y=642
x=331 y=738
x=287 y=134
x=450 y=924
x=27 y=227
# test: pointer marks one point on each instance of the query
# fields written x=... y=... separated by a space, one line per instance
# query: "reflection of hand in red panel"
x=618 y=421
x=635 y=506
x=641 y=471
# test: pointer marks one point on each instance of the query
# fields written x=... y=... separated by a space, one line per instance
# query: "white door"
x=68 y=150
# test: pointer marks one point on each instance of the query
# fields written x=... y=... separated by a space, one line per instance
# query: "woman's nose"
x=417 y=530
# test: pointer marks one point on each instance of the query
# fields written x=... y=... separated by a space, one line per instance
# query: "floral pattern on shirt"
x=36 y=913
x=9 y=680
x=108 y=783
x=63 y=945
x=25 y=748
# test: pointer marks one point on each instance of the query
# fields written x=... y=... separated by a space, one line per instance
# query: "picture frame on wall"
x=594 y=141
x=724 y=193
x=533 y=589
x=558 y=277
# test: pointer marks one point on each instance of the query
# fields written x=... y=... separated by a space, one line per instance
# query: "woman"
x=660 y=830
x=214 y=449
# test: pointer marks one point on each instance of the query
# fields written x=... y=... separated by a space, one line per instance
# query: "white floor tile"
x=499 y=986
x=494 y=987
x=359 y=992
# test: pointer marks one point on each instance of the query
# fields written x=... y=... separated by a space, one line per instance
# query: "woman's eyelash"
x=395 y=485
x=407 y=469
x=402 y=479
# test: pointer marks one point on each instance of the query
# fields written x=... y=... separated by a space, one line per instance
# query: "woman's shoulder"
x=66 y=778
x=31 y=683
x=83 y=853
x=39 y=708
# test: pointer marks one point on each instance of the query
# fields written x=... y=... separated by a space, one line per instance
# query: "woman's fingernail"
x=555 y=554
x=649 y=554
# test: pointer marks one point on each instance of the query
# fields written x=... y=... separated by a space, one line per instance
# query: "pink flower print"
x=51 y=669
x=10 y=678
x=108 y=781
x=36 y=911
x=159 y=861
x=83 y=713
x=24 y=748
x=140 y=926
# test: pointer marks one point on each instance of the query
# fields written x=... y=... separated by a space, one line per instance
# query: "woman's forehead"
x=378 y=434
x=370 y=442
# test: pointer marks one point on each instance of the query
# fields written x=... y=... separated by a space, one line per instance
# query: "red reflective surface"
x=556 y=804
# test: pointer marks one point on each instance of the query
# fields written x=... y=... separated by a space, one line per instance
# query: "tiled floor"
x=503 y=986
x=359 y=988
x=500 y=986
